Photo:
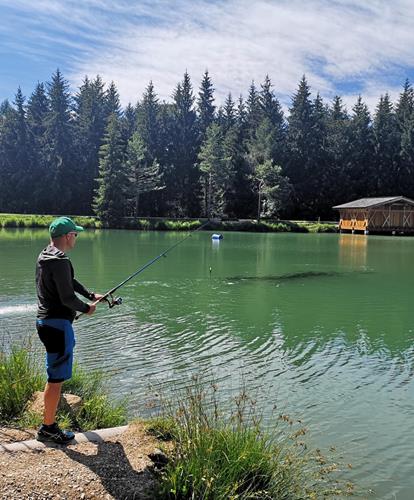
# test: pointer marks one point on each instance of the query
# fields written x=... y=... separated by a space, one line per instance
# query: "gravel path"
x=118 y=468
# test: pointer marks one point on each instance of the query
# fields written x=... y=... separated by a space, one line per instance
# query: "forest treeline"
x=84 y=154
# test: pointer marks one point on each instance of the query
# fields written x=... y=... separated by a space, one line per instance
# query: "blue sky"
x=344 y=47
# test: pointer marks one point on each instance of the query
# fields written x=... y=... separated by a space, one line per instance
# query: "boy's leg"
x=51 y=401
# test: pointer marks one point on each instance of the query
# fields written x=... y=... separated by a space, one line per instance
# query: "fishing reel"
x=117 y=301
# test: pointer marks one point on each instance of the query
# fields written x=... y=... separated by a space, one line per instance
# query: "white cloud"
x=332 y=42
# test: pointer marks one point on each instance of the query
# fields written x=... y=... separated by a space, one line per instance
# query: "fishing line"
x=116 y=301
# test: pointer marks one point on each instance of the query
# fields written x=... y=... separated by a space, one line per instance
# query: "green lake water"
x=320 y=325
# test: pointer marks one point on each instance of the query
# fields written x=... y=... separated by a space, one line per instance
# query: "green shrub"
x=144 y=224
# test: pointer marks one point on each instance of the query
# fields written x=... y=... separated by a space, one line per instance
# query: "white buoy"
x=216 y=236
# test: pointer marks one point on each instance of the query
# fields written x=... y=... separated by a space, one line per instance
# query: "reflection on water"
x=333 y=347
x=353 y=249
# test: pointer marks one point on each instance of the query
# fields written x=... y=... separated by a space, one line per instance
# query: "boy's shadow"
x=116 y=473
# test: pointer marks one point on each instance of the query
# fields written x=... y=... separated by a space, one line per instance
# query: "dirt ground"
x=118 y=468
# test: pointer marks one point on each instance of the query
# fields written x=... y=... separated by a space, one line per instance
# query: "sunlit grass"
x=42 y=221
x=228 y=453
x=20 y=377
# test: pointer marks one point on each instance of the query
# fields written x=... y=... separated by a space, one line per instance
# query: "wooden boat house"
x=393 y=214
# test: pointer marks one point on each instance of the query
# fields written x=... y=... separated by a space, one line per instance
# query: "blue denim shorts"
x=59 y=340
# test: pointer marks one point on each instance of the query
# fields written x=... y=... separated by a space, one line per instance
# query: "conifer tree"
x=145 y=176
x=148 y=123
x=111 y=200
x=8 y=119
x=253 y=110
x=300 y=164
x=205 y=104
x=360 y=164
x=59 y=146
x=272 y=111
x=129 y=122
x=23 y=179
x=215 y=174
x=37 y=108
x=387 y=148
x=337 y=148
x=113 y=102
x=89 y=127
x=273 y=189
x=240 y=197
x=319 y=186
x=229 y=113
x=183 y=181
x=405 y=123
x=36 y=113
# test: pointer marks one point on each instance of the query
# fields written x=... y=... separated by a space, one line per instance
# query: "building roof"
x=373 y=202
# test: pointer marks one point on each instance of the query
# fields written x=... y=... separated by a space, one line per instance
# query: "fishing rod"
x=117 y=301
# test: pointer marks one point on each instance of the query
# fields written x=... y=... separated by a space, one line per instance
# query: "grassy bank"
x=214 y=450
x=226 y=452
x=161 y=224
x=20 y=377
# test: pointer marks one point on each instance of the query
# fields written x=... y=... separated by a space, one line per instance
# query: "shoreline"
x=15 y=221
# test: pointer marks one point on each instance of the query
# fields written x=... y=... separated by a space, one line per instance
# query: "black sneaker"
x=52 y=433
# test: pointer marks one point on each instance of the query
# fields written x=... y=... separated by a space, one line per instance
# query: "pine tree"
x=36 y=113
x=229 y=113
x=112 y=100
x=300 y=164
x=360 y=165
x=111 y=200
x=387 y=148
x=8 y=119
x=183 y=179
x=337 y=148
x=205 y=105
x=273 y=113
x=129 y=122
x=241 y=200
x=320 y=187
x=63 y=178
x=273 y=188
x=215 y=172
x=89 y=127
x=23 y=176
x=253 y=110
x=148 y=122
x=37 y=108
x=405 y=123
x=145 y=176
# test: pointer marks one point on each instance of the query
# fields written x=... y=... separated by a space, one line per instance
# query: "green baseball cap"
x=63 y=225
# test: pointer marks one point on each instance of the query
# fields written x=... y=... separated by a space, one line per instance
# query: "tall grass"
x=20 y=377
x=232 y=455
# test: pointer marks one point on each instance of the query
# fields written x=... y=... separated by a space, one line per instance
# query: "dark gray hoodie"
x=56 y=286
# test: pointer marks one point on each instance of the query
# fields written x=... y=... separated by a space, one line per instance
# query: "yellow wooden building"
x=393 y=214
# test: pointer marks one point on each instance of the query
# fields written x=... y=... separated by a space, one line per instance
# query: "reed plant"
x=231 y=454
